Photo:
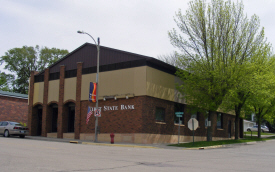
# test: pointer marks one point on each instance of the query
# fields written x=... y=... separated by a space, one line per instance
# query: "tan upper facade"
x=136 y=81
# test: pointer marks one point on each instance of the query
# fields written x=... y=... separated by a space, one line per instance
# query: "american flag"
x=89 y=114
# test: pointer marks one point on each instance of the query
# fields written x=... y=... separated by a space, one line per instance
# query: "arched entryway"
x=70 y=117
x=53 y=115
x=37 y=120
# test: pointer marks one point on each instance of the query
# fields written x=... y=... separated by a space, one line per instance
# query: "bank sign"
x=114 y=108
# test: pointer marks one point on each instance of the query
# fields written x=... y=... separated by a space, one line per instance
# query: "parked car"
x=255 y=128
x=8 y=128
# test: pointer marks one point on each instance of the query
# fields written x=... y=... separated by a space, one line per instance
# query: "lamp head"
x=81 y=32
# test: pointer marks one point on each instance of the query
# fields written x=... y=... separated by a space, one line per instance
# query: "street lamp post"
x=97 y=72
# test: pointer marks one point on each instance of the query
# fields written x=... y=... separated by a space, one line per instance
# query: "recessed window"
x=178 y=120
x=178 y=108
x=206 y=122
x=194 y=115
x=219 y=120
x=160 y=114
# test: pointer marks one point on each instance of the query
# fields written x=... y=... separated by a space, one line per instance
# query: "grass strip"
x=256 y=133
x=220 y=142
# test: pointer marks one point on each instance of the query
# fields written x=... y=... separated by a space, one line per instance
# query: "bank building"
x=137 y=98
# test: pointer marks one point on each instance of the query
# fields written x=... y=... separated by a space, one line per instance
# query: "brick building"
x=137 y=97
x=13 y=107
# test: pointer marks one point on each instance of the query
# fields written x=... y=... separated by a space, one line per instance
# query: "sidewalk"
x=131 y=145
x=74 y=141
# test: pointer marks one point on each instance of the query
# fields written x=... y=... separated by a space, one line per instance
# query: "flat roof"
x=16 y=95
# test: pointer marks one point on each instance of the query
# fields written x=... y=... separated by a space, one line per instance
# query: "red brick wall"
x=45 y=116
x=117 y=121
x=142 y=118
x=168 y=127
x=60 y=127
x=78 y=100
x=32 y=123
x=13 y=109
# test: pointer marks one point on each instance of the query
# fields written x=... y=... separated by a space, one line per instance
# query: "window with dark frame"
x=206 y=119
x=219 y=120
x=206 y=122
x=178 y=108
x=160 y=114
x=178 y=119
x=195 y=115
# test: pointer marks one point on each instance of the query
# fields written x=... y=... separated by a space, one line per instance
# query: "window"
x=54 y=76
x=195 y=115
x=160 y=114
x=178 y=108
x=178 y=119
x=219 y=120
x=70 y=73
x=38 y=78
x=206 y=122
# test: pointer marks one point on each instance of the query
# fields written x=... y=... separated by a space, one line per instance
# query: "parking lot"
x=38 y=155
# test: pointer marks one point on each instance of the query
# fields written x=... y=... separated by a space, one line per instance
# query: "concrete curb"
x=119 y=145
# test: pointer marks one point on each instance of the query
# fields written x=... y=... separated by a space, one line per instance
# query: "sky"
x=137 y=26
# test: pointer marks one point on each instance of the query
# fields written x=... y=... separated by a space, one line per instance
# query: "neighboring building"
x=13 y=107
x=137 y=97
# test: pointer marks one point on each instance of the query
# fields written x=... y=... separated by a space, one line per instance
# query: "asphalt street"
x=28 y=155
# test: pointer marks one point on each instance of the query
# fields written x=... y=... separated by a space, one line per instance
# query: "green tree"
x=169 y=58
x=262 y=98
x=5 y=81
x=21 y=61
x=216 y=40
x=246 y=85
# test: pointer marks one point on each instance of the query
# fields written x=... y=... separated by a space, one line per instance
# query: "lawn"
x=220 y=142
x=256 y=133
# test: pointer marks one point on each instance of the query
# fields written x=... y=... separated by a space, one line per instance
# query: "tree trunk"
x=237 y=123
x=210 y=128
x=259 y=125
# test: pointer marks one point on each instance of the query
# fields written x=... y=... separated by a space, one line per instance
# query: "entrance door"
x=71 y=119
x=229 y=129
x=54 y=119
x=39 y=122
